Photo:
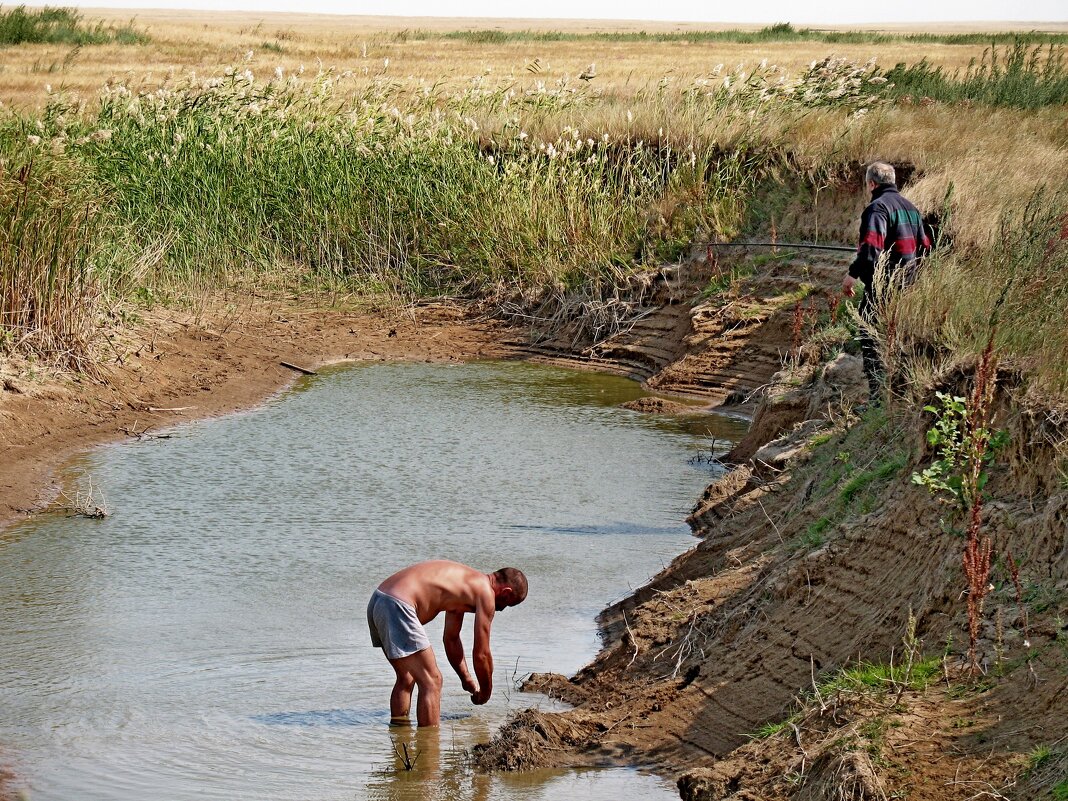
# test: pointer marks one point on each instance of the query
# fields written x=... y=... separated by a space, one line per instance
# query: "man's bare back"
x=440 y=586
x=414 y=596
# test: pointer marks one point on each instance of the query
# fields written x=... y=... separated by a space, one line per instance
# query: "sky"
x=840 y=12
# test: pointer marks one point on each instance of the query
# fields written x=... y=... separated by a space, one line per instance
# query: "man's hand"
x=847 y=286
x=469 y=685
x=479 y=698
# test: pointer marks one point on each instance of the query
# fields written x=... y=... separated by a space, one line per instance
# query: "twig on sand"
x=298 y=368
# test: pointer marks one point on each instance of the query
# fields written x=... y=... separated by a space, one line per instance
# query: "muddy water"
x=207 y=640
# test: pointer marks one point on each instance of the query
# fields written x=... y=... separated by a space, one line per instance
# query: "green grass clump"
x=814 y=536
x=20 y=25
x=771 y=729
x=1038 y=757
x=723 y=281
x=869 y=677
x=861 y=481
x=1019 y=77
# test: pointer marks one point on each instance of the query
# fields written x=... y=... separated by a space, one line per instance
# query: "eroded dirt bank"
x=811 y=562
x=810 y=646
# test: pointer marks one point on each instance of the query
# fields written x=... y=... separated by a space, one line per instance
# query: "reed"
x=1019 y=77
x=49 y=288
x=511 y=191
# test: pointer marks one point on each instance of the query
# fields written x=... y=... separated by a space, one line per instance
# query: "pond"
x=207 y=640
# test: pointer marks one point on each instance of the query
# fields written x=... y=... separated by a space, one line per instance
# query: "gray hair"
x=879 y=172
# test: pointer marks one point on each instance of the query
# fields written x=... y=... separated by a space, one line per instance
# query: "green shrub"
x=1020 y=77
x=60 y=25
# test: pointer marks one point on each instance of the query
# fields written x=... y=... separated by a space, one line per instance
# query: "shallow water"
x=208 y=640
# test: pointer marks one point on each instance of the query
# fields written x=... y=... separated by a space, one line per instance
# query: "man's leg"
x=400 y=700
x=869 y=349
x=423 y=668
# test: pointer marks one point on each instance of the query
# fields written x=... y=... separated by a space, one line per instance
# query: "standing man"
x=408 y=600
x=891 y=233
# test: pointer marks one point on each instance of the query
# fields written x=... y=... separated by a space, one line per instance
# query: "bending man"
x=891 y=232
x=411 y=598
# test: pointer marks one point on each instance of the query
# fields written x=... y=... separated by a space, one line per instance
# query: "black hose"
x=787 y=245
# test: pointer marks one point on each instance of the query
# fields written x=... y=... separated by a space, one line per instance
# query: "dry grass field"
x=417 y=51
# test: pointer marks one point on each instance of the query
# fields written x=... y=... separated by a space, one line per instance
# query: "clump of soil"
x=529 y=741
x=800 y=394
x=654 y=405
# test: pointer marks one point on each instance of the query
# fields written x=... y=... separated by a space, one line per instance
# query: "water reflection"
x=415 y=771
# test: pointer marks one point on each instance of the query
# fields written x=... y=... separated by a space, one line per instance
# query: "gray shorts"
x=395 y=626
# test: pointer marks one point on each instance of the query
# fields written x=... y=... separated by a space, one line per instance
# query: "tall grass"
x=781 y=32
x=60 y=25
x=1019 y=77
x=1012 y=294
x=509 y=192
x=49 y=286
x=219 y=180
x=237 y=175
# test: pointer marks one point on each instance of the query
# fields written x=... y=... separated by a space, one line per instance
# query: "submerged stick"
x=298 y=368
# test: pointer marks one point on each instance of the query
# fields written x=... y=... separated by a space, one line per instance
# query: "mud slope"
x=718 y=326
x=813 y=555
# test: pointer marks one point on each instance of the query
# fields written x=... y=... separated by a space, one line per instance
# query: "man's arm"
x=872 y=241
x=480 y=654
x=454 y=650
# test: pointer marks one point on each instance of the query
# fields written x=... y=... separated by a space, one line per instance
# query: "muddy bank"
x=176 y=365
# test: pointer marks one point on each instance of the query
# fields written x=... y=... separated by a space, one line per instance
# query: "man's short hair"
x=514 y=578
x=879 y=172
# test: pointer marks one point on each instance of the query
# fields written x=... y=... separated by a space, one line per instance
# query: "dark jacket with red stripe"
x=892 y=225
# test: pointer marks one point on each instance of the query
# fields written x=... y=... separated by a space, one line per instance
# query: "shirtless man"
x=407 y=600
